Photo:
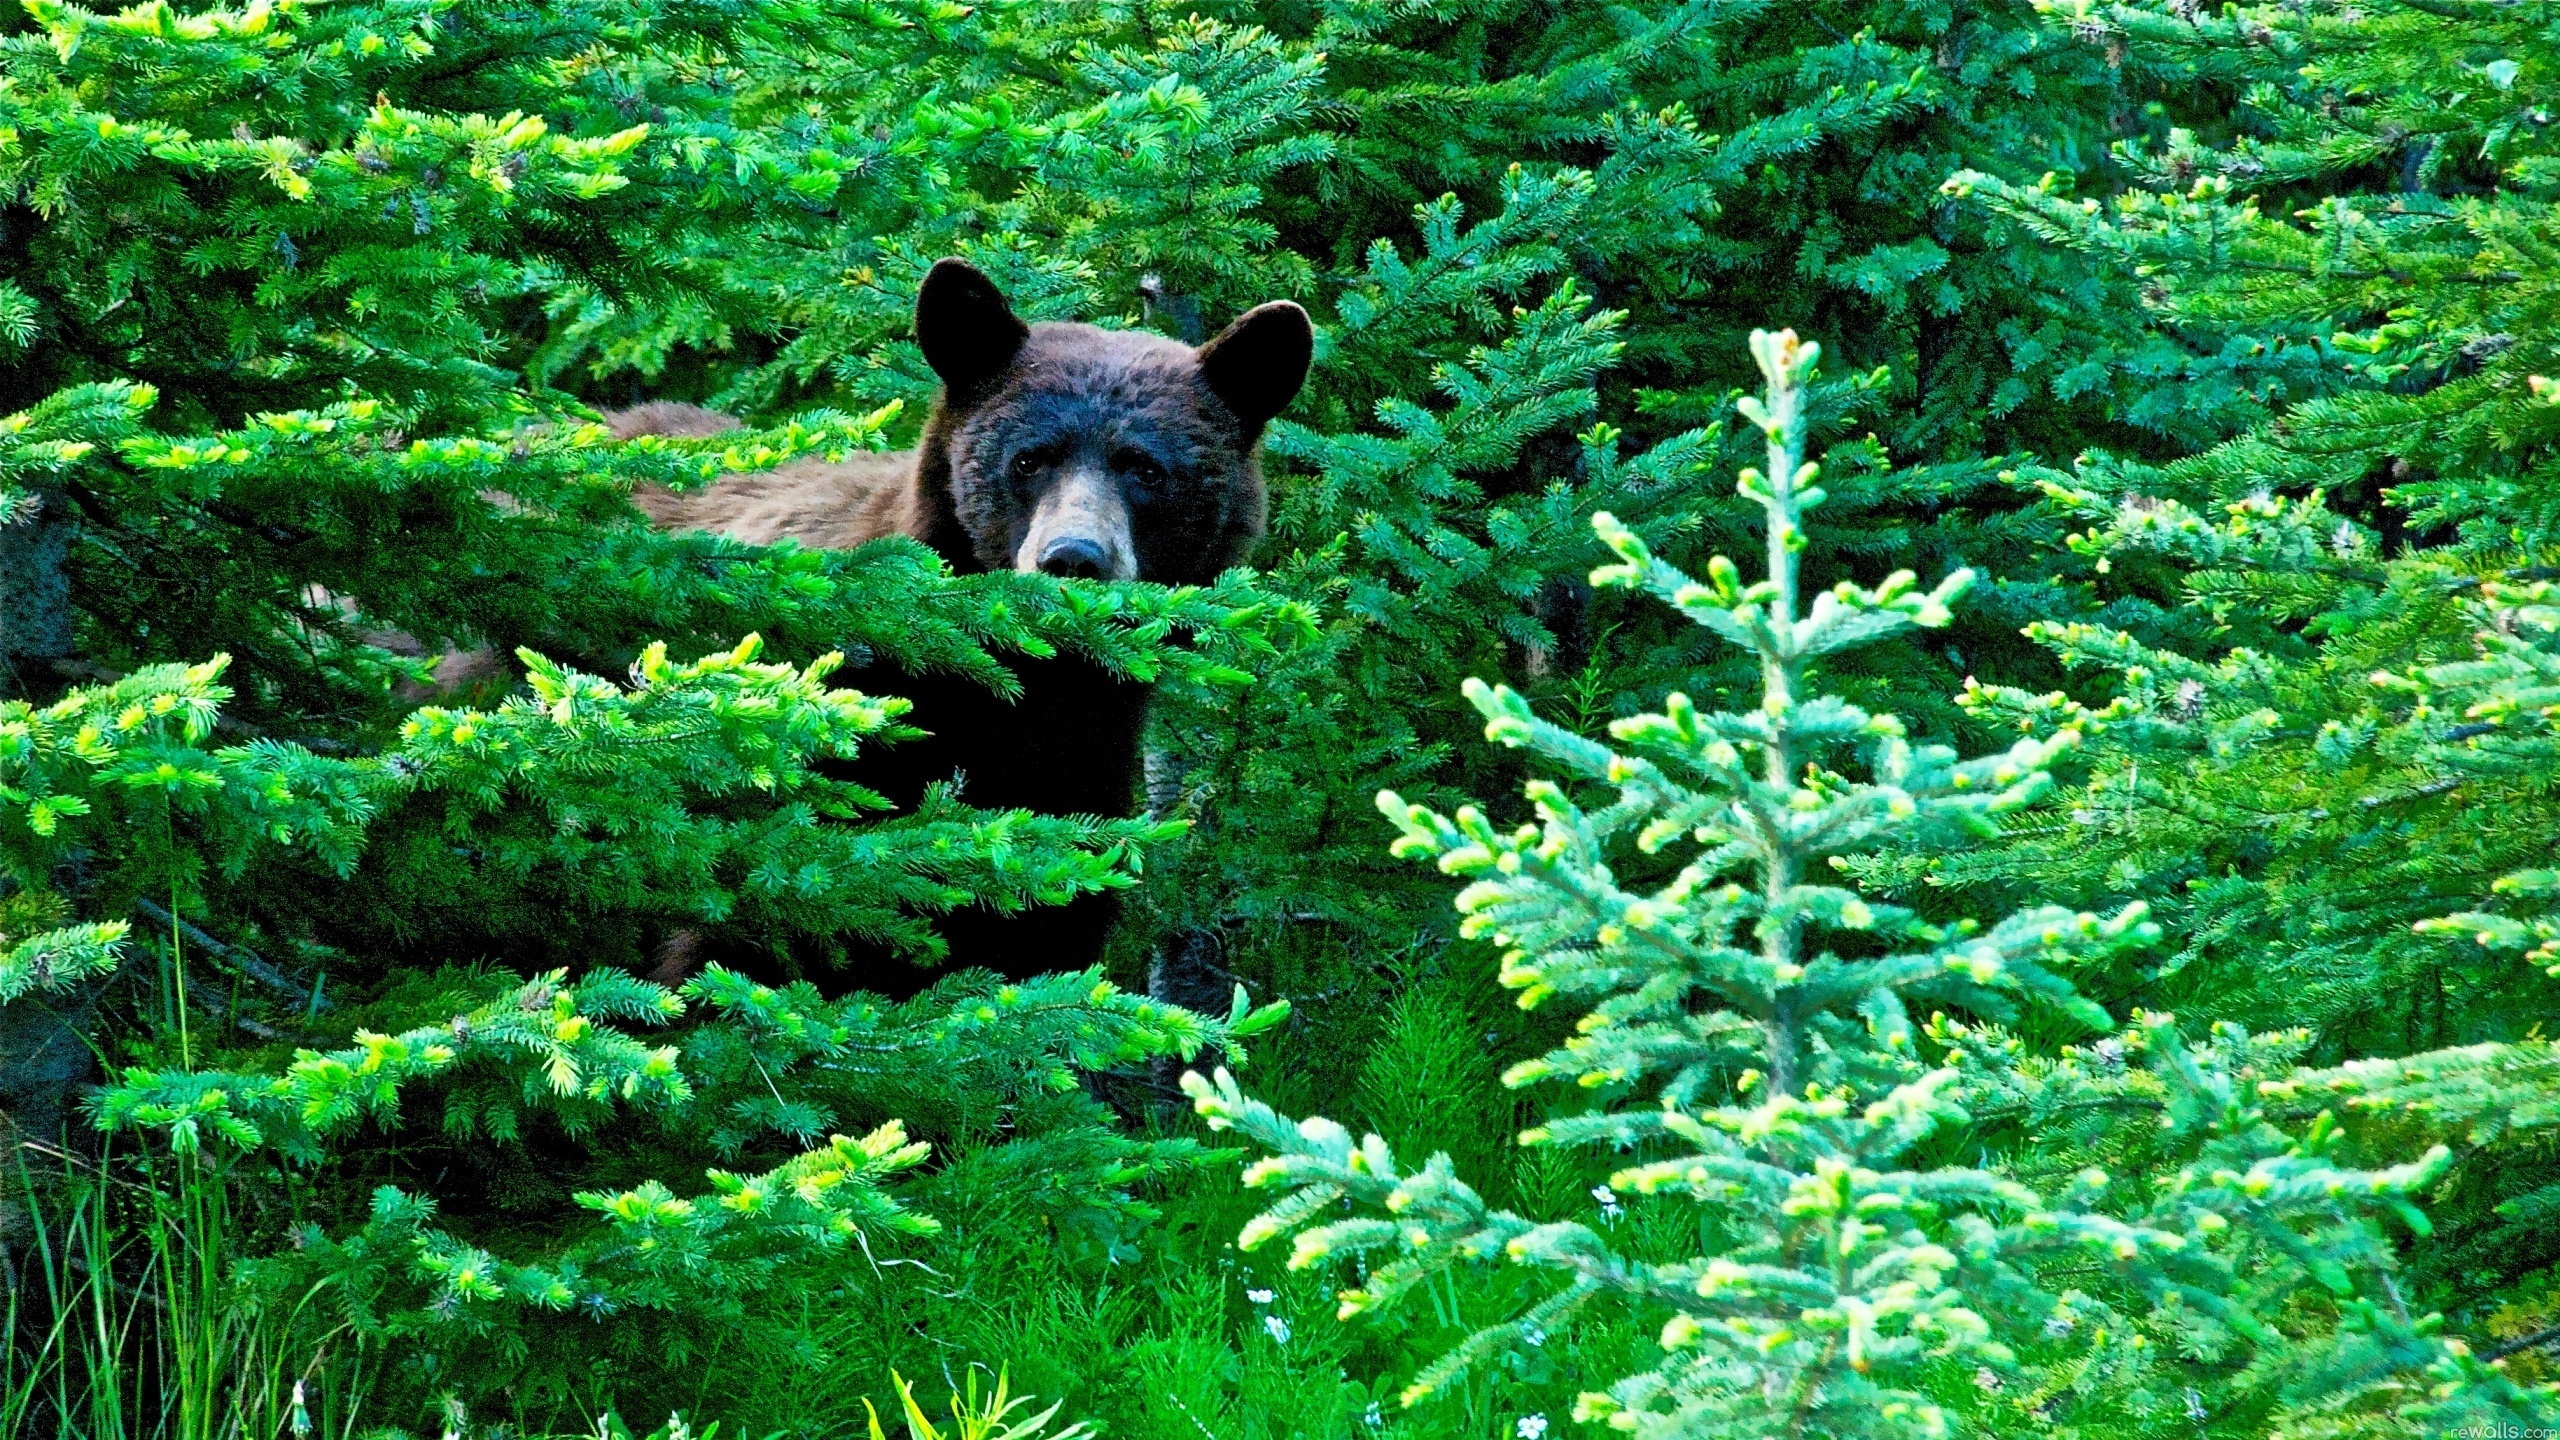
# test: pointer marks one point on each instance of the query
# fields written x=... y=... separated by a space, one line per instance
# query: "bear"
x=1065 y=449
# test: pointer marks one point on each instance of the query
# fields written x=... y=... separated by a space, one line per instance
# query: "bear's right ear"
x=1258 y=364
x=967 y=329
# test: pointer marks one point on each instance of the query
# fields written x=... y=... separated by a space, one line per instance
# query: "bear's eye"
x=1027 y=465
x=1140 y=467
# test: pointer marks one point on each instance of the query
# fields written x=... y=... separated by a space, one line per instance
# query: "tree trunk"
x=45 y=1055
x=35 y=595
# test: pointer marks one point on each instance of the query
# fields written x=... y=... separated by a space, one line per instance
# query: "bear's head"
x=1103 y=454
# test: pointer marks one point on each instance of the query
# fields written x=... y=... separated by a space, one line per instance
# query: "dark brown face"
x=1103 y=454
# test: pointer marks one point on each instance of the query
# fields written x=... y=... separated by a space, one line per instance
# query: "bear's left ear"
x=968 y=330
x=1257 y=364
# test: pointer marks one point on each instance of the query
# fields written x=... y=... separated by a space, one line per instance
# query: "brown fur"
x=950 y=491
x=826 y=505
x=668 y=417
x=1131 y=382
x=821 y=504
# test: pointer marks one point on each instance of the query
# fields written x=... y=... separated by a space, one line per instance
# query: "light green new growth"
x=60 y=959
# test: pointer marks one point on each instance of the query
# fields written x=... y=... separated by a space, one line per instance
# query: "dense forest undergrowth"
x=1963 y=596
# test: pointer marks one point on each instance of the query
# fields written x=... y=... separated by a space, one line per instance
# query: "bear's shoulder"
x=822 y=504
x=667 y=417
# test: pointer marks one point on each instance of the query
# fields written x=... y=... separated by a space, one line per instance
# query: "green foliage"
x=1848 y=1263
x=283 y=287
x=60 y=959
x=2213 y=347
x=2328 y=638
x=974 y=1419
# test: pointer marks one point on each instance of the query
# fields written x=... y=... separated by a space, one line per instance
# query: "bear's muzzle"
x=1080 y=530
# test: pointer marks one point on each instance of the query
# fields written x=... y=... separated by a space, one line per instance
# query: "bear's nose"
x=1074 y=558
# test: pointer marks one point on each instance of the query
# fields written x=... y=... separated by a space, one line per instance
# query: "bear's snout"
x=1080 y=531
x=1074 y=558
